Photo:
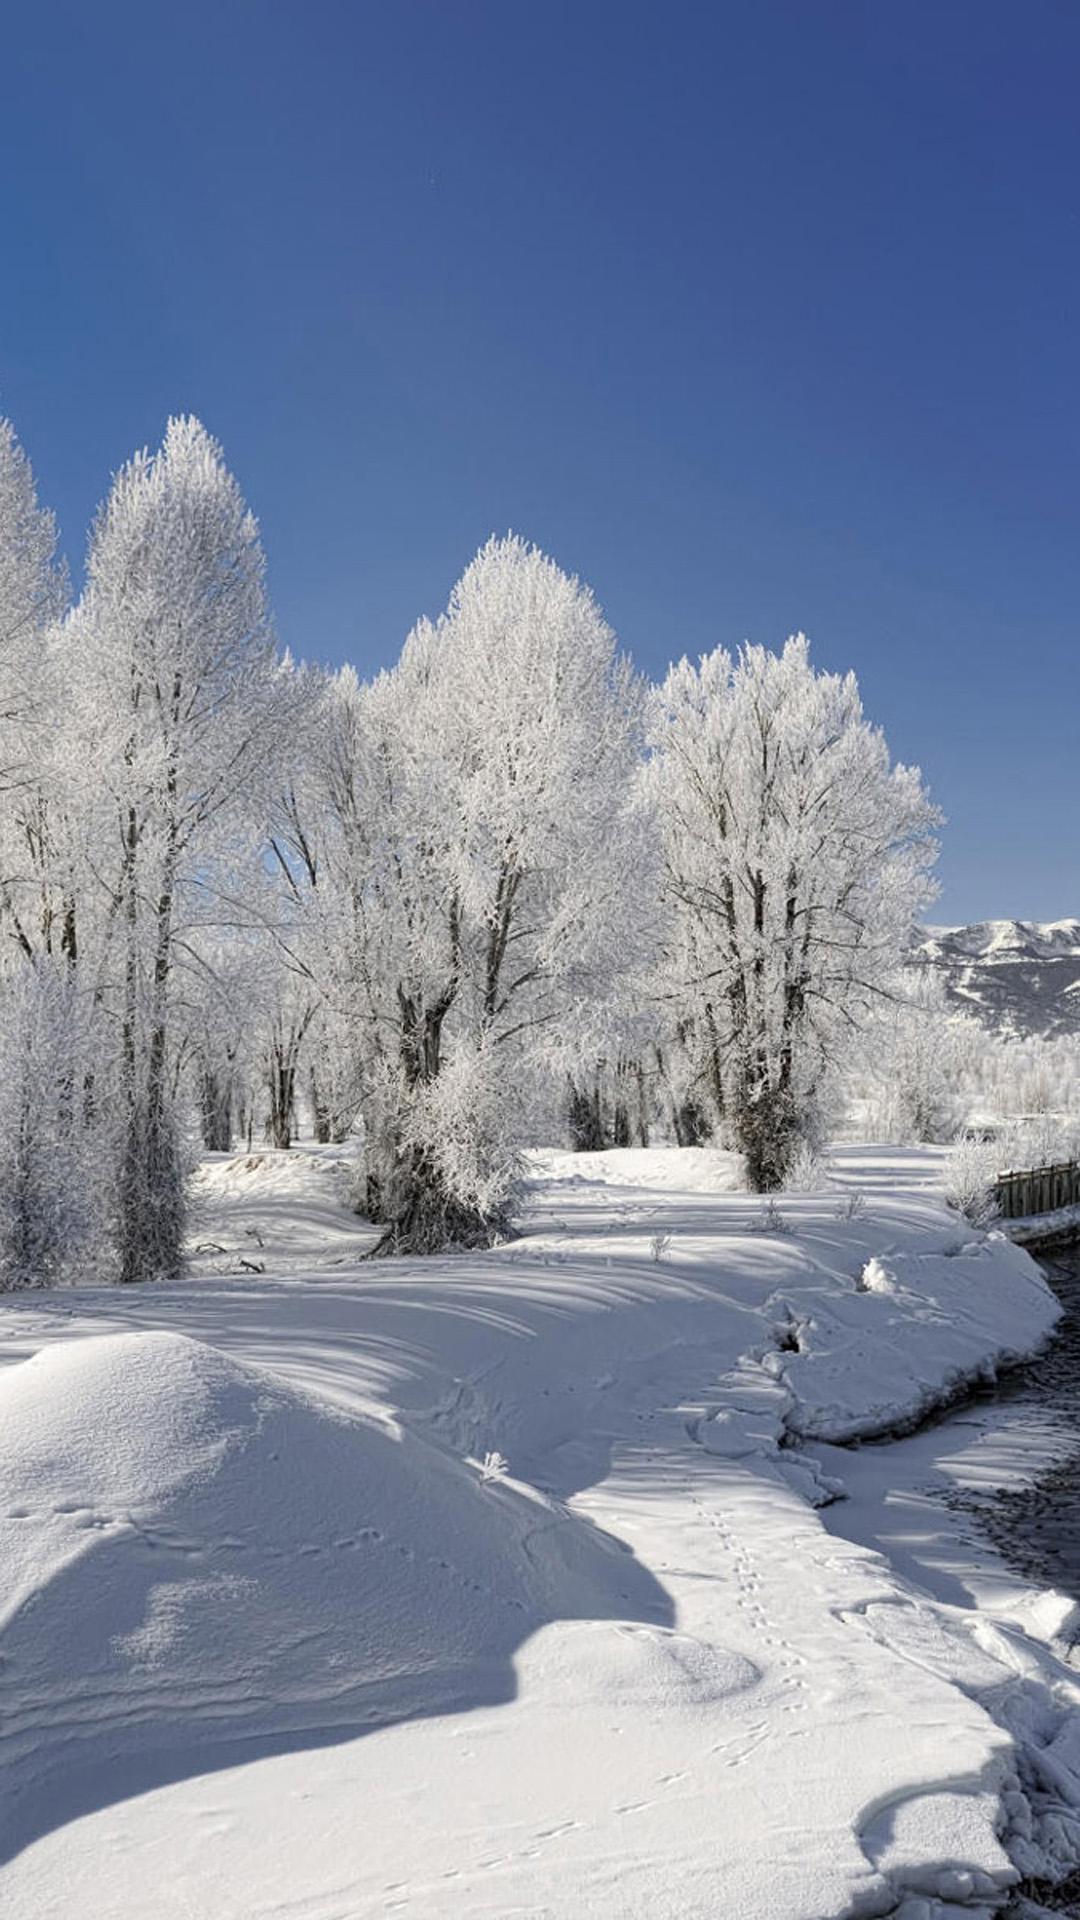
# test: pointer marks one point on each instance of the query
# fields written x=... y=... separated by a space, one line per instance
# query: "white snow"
x=277 y=1642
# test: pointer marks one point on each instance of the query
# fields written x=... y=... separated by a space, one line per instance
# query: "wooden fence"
x=1040 y=1190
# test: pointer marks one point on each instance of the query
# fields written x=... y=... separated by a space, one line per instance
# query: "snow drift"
x=194 y=1555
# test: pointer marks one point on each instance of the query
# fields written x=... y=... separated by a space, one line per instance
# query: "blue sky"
x=758 y=316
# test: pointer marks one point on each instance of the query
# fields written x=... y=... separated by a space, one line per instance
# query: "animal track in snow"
x=749 y=1585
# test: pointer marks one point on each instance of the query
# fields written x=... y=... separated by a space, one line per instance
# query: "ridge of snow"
x=998 y=929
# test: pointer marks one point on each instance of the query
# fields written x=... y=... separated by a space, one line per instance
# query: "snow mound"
x=627 y=1665
x=194 y=1554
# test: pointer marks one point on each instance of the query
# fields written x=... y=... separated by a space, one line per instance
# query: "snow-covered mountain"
x=1017 y=976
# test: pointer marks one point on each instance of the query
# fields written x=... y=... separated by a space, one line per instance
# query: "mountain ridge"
x=1018 y=977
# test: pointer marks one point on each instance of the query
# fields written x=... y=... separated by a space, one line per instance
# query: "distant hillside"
x=1014 y=975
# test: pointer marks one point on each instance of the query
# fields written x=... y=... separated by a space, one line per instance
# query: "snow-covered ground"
x=281 y=1636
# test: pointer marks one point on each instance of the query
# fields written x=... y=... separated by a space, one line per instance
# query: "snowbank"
x=662 y=1687
x=1056 y=1229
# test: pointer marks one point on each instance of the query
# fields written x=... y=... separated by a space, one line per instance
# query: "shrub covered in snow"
x=970 y=1171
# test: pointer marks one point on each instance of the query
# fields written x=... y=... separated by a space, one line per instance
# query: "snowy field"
x=508 y=1584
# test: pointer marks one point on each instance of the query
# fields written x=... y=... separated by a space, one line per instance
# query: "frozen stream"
x=1009 y=1457
x=980 y=1510
x=1037 y=1528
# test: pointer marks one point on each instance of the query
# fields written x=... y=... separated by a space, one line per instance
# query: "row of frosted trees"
x=502 y=885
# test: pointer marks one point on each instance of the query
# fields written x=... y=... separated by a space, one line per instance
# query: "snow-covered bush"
x=458 y=1151
x=809 y=1169
x=770 y=1219
x=970 y=1172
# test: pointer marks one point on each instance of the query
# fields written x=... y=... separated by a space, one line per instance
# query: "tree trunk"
x=767 y=1132
x=151 y=1197
x=690 y=1124
x=427 y=1219
x=320 y=1114
x=215 y=1106
x=642 y=1105
x=282 y=1080
x=585 y=1119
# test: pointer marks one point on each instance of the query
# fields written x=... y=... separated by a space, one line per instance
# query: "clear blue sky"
x=757 y=315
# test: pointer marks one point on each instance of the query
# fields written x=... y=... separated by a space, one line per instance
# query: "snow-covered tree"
x=492 y=870
x=33 y=594
x=796 y=859
x=914 y=1063
x=46 y=1196
x=33 y=585
x=335 y=1076
x=456 y=908
x=224 y=977
x=188 y=716
x=53 y=1157
x=609 y=1106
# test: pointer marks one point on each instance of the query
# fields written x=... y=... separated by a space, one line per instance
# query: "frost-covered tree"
x=224 y=977
x=428 y=907
x=335 y=1076
x=33 y=594
x=914 y=1063
x=188 y=715
x=796 y=859
x=613 y=1104
x=46 y=1195
x=33 y=585
x=53 y=1157
x=687 y=1088
x=492 y=871
x=294 y=1010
